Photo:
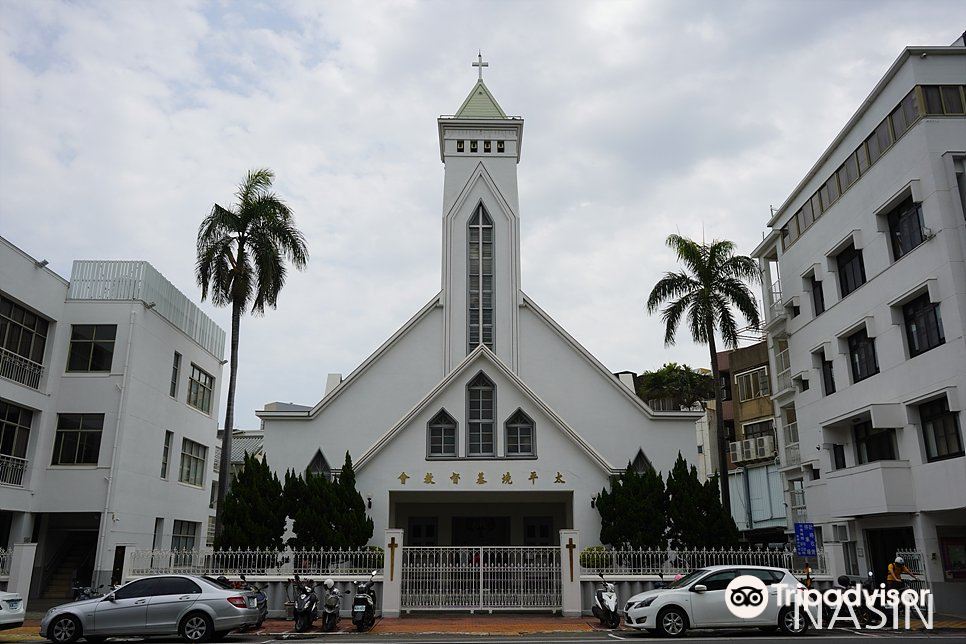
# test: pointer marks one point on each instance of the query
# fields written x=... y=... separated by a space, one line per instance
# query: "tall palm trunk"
x=224 y=475
x=722 y=442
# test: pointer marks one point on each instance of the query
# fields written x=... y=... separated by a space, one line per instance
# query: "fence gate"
x=481 y=578
x=915 y=563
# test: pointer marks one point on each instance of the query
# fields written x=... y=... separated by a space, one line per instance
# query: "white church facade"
x=481 y=421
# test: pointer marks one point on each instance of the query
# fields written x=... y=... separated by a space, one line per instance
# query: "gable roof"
x=480 y=104
x=484 y=353
x=610 y=377
x=300 y=411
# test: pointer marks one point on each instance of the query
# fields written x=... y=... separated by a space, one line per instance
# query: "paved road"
x=597 y=637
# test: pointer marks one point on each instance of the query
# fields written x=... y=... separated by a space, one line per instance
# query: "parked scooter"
x=364 y=604
x=261 y=600
x=80 y=593
x=306 y=604
x=331 y=605
x=605 y=604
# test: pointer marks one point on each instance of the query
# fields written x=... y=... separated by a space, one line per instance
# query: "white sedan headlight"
x=644 y=603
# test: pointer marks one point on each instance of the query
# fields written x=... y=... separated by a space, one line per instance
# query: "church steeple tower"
x=480 y=147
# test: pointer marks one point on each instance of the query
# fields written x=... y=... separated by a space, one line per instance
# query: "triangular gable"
x=484 y=353
x=604 y=372
x=358 y=371
x=480 y=104
x=480 y=175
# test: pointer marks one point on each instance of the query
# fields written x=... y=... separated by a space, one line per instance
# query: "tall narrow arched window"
x=479 y=267
x=519 y=435
x=318 y=466
x=481 y=401
x=441 y=435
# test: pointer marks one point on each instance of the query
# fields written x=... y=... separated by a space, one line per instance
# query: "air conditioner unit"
x=765 y=446
x=748 y=449
x=735 y=449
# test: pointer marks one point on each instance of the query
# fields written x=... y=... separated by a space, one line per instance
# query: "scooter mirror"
x=375 y=572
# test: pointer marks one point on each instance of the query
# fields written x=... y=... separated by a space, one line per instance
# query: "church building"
x=480 y=421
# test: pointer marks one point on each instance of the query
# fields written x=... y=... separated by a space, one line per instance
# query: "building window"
x=879 y=141
x=905 y=114
x=943 y=99
x=481 y=396
x=14 y=433
x=213 y=495
x=851 y=269
x=480 y=280
x=183 y=535
x=759 y=429
x=838 y=457
x=166 y=453
x=752 y=384
x=175 y=370
x=940 y=430
x=91 y=347
x=459 y=146
x=200 y=385
x=473 y=146
x=862 y=355
x=441 y=430
x=905 y=227
x=22 y=332
x=828 y=377
x=924 y=325
x=78 y=439
x=829 y=192
x=501 y=147
x=519 y=435
x=818 y=296
x=724 y=387
x=210 y=533
x=193 y=457
x=487 y=146
x=874 y=443
x=849 y=172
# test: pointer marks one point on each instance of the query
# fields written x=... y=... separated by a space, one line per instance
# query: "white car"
x=697 y=600
x=11 y=610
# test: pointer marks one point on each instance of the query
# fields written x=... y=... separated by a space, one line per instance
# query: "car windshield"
x=688 y=578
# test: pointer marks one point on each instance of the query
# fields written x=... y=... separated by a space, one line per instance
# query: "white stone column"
x=570 y=572
x=21 y=569
x=392 y=573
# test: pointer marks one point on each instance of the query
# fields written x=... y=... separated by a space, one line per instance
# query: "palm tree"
x=242 y=251
x=712 y=282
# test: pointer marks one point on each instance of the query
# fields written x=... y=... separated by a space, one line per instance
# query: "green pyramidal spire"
x=480 y=104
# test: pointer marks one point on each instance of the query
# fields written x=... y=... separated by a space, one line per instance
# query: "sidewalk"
x=457 y=624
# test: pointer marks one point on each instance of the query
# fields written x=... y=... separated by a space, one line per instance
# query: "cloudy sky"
x=122 y=122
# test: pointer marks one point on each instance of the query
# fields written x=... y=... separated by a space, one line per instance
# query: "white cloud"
x=121 y=123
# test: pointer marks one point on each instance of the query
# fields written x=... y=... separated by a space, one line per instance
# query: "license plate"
x=358 y=609
x=252 y=603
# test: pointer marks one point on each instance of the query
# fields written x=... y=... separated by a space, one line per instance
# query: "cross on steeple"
x=480 y=64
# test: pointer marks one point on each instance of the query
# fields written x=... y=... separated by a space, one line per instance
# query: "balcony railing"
x=791 y=433
x=776 y=300
x=783 y=366
x=792 y=455
x=797 y=506
x=19 y=369
x=12 y=469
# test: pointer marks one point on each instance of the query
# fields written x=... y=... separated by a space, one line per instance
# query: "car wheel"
x=64 y=629
x=196 y=627
x=790 y=623
x=672 y=622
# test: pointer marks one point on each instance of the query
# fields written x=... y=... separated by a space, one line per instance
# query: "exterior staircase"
x=74 y=556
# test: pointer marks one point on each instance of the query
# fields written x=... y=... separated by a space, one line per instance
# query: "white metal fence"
x=659 y=562
x=19 y=369
x=12 y=470
x=256 y=562
x=481 y=577
x=914 y=562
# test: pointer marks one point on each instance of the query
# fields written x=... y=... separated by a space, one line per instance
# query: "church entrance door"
x=481 y=578
x=481 y=531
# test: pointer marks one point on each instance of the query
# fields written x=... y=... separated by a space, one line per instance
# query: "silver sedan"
x=196 y=608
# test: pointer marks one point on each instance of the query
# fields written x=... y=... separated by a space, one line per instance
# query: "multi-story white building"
x=866 y=305
x=108 y=415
